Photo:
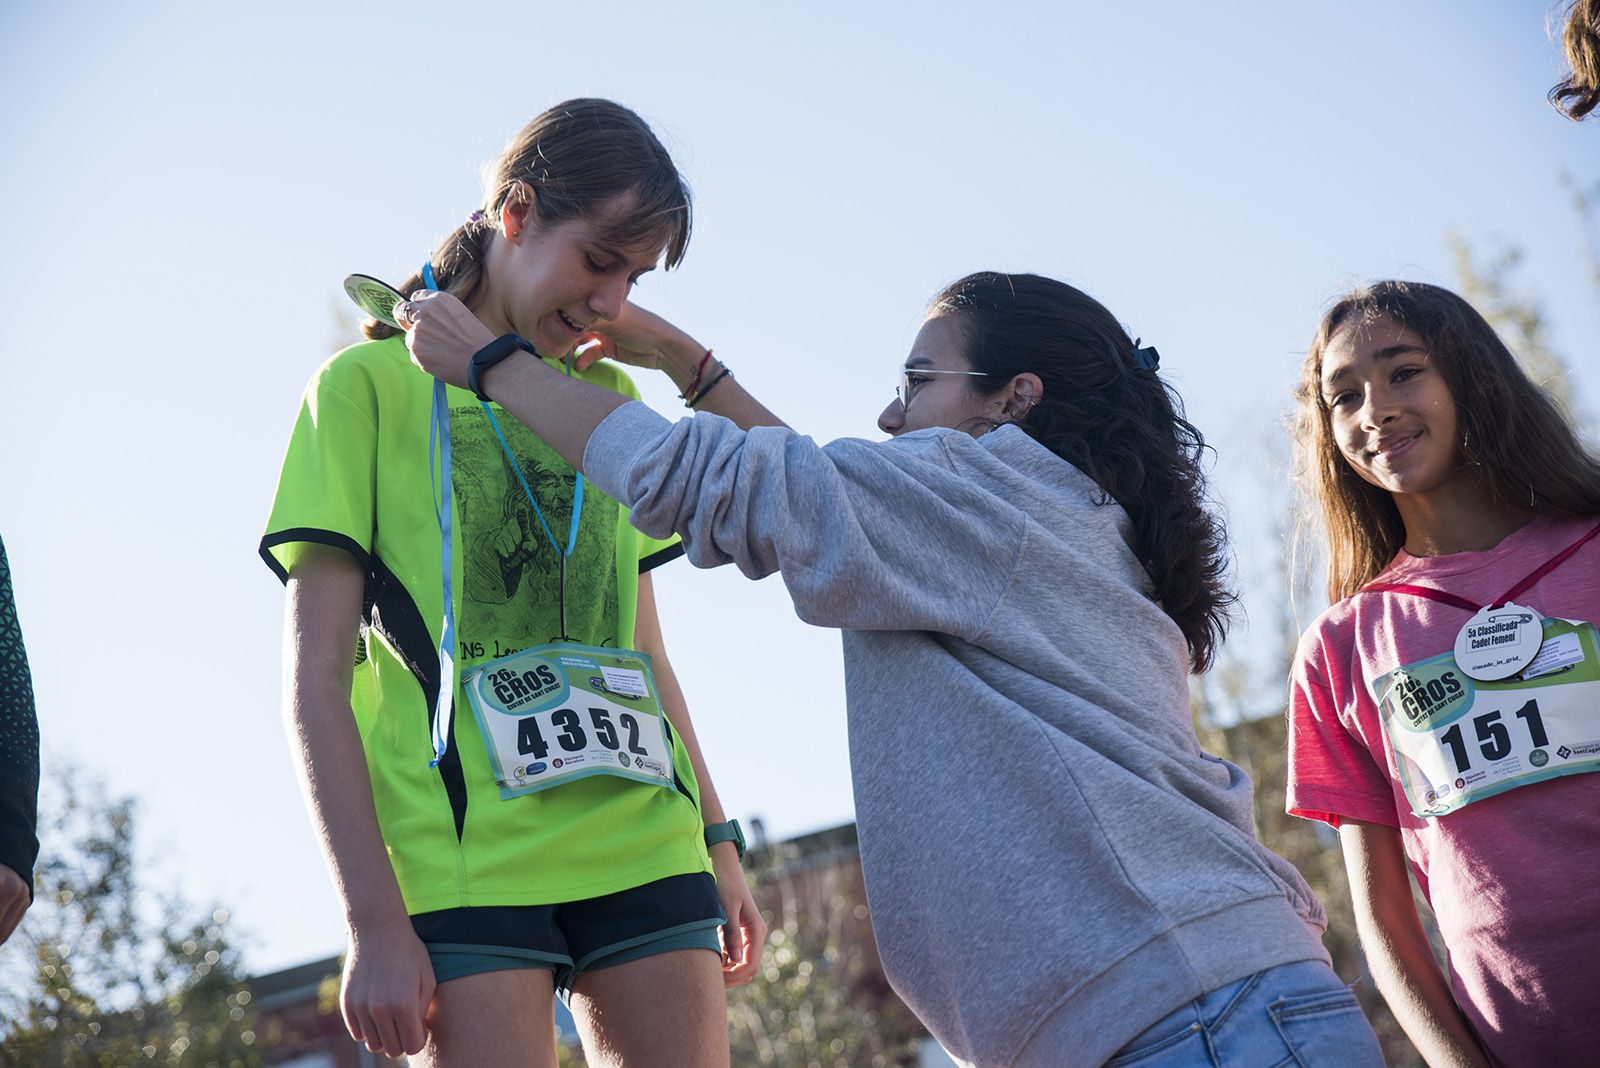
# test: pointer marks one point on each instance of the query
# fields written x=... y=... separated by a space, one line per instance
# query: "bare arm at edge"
x=1398 y=951
x=745 y=933
x=388 y=979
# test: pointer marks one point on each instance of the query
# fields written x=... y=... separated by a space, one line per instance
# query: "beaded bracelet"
x=700 y=396
x=694 y=382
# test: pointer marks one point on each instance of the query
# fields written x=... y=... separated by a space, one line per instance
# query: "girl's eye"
x=1339 y=400
x=1405 y=373
x=595 y=266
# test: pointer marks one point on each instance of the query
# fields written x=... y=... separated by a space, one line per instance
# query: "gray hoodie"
x=1052 y=863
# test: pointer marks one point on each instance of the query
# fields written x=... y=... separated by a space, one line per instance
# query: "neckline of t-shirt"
x=1406 y=566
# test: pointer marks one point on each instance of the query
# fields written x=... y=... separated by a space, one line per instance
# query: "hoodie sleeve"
x=866 y=535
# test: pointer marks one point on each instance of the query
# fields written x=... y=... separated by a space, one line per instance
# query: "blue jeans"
x=1297 y=1015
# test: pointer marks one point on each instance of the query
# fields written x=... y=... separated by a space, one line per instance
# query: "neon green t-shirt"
x=356 y=476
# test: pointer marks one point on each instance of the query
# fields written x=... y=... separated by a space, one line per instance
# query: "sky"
x=184 y=187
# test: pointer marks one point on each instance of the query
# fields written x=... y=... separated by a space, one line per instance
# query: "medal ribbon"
x=443 y=504
x=1461 y=602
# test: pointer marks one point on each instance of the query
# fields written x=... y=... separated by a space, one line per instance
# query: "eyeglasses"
x=907 y=374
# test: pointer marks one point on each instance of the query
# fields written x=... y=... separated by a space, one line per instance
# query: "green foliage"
x=1260 y=745
x=1489 y=284
x=820 y=1000
x=100 y=974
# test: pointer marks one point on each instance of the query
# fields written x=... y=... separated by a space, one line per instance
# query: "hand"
x=15 y=897
x=388 y=985
x=745 y=933
x=442 y=334
x=639 y=338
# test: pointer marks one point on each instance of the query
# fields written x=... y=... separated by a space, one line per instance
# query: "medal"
x=374 y=297
x=1499 y=641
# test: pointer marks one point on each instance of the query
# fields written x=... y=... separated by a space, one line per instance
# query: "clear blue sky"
x=185 y=185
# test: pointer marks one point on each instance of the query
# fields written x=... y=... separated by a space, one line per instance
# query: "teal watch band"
x=726 y=832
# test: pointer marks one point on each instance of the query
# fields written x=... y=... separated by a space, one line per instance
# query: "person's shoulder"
x=382 y=356
x=1549 y=532
x=1333 y=628
x=367 y=369
x=918 y=446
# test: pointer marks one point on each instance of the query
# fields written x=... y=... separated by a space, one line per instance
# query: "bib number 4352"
x=571 y=735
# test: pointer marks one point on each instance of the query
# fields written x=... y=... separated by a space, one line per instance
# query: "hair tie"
x=1145 y=358
x=476 y=216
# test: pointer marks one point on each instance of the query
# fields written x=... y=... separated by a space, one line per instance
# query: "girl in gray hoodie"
x=1024 y=574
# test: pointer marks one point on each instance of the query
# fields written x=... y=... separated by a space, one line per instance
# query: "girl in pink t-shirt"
x=1458 y=504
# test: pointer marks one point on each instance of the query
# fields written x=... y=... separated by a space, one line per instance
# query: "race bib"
x=1457 y=740
x=559 y=712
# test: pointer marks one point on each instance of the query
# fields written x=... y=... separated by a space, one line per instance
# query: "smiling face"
x=1390 y=411
x=551 y=283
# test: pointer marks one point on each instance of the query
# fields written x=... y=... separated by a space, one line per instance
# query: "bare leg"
x=665 y=1011
x=500 y=1018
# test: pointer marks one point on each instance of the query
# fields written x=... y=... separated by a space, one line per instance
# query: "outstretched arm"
x=850 y=527
x=644 y=339
x=443 y=334
x=1397 y=948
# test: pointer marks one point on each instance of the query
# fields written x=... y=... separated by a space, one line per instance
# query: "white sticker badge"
x=1499 y=642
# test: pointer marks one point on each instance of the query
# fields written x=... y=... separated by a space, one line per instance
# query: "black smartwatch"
x=491 y=354
x=726 y=832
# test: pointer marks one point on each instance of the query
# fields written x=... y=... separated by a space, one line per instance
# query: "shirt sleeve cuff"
x=616 y=445
x=1333 y=806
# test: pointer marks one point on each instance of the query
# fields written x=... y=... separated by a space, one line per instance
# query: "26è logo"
x=514 y=689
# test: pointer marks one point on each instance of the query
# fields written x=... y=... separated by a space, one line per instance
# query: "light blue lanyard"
x=439 y=445
x=439 y=439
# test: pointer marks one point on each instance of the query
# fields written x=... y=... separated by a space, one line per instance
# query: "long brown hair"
x=1523 y=446
x=1116 y=422
x=1577 y=94
x=577 y=157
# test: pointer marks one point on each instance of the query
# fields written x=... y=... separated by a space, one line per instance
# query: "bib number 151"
x=1493 y=735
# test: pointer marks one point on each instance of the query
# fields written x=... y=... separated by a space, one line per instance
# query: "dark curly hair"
x=1576 y=95
x=1121 y=426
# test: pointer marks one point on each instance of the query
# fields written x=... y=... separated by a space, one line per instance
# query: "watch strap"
x=726 y=832
x=491 y=354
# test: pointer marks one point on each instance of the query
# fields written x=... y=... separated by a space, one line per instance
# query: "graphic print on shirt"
x=1456 y=740
x=510 y=584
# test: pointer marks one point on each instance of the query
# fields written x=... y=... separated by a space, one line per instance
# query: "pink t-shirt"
x=1514 y=879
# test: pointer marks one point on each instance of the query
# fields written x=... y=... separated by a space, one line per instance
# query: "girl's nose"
x=1377 y=408
x=892 y=418
x=607 y=301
